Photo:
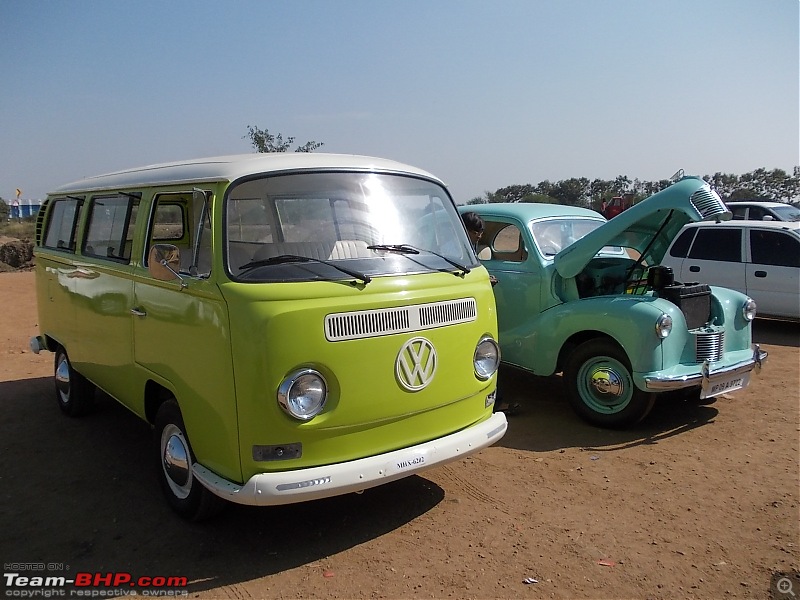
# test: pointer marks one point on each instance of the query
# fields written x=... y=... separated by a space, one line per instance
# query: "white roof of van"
x=229 y=168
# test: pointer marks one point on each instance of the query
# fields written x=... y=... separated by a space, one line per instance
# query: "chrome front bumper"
x=287 y=487
x=706 y=377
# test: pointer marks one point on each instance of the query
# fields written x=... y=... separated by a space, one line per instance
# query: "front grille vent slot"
x=708 y=203
x=709 y=346
x=387 y=321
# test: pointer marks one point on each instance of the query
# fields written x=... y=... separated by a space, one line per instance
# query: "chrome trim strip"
x=664 y=384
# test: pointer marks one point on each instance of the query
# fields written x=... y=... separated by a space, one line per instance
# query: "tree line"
x=765 y=185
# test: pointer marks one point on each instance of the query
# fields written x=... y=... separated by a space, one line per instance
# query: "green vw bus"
x=294 y=326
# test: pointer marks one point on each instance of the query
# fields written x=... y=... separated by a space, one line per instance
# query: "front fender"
x=629 y=320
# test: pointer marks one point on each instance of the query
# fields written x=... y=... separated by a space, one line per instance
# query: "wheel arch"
x=581 y=337
x=155 y=395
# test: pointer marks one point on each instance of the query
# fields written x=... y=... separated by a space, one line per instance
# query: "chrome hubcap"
x=62 y=379
x=608 y=382
x=175 y=461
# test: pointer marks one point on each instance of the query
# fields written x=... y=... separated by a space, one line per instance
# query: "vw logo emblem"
x=416 y=364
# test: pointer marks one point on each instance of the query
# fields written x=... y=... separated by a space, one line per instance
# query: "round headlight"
x=486 y=359
x=302 y=394
x=664 y=326
x=749 y=310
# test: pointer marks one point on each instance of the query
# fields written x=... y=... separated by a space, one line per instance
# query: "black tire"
x=74 y=393
x=184 y=493
x=600 y=386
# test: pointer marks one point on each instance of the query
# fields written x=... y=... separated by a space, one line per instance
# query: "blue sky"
x=482 y=94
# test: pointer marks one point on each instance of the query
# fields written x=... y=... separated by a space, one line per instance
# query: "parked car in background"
x=587 y=297
x=763 y=211
x=758 y=258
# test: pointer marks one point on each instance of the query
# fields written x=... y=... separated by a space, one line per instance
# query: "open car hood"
x=647 y=227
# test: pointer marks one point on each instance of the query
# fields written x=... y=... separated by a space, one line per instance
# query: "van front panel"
x=277 y=329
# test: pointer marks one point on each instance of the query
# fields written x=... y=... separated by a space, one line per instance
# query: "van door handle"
x=694 y=269
x=138 y=312
x=760 y=273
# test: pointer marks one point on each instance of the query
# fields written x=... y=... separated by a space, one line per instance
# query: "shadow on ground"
x=546 y=421
x=83 y=492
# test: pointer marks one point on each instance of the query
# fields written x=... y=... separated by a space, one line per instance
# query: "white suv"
x=758 y=258
x=763 y=211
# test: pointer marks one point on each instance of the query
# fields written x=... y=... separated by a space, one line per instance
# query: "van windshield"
x=360 y=221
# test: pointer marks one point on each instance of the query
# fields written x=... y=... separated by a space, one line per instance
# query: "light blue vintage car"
x=586 y=297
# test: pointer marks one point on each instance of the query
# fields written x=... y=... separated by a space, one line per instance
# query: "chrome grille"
x=709 y=346
x=708 y=203
x=386 y=321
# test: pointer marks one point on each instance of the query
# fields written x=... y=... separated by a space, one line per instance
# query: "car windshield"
x=787 y=213
x=553 y=235
x=369 y=223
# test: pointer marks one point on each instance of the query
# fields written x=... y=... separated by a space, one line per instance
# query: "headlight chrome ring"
x=664 y=326
x=749 y=309
x=302 y=394
x=486 y=358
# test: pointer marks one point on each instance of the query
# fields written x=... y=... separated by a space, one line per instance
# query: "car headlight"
x=486 y=358
x=664 y=326
x=302 y=394
x=749 y=310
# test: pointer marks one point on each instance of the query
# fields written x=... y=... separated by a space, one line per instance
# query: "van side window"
x=774 y=248
x=63 y=224
x=724 y=244
x=183 y=221
x=110 y=229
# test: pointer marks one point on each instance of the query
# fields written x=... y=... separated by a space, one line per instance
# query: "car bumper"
x=287 y=487
x=707 y=377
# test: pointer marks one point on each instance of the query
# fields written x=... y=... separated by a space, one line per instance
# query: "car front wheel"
x=600 y=386
x=184 y=493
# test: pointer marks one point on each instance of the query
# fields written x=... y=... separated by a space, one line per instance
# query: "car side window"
x=681 y=246
x=757 y=213
x=505 y=242
x=723 y=244
x=739 y=212
x=774 y=248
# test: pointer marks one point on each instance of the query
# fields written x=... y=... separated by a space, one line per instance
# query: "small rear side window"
x=723 y=244
x=681 y=246
x=63 y=223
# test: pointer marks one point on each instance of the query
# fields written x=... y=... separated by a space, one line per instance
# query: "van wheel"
x=74 y=393
x=184 y=493
x=600 y=386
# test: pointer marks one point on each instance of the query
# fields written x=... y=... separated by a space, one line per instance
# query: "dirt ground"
x=697 y=502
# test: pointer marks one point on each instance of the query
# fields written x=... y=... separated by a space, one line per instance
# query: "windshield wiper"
x=408 y=249
x=291 y=258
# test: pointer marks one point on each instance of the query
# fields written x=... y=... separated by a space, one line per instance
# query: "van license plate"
x=726 y=385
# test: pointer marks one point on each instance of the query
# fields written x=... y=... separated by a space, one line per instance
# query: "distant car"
x=758 y=258
x=763 y=211
x=586 y=297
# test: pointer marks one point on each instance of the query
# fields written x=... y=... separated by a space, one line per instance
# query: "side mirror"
x=164 y=261
x=768 y=218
